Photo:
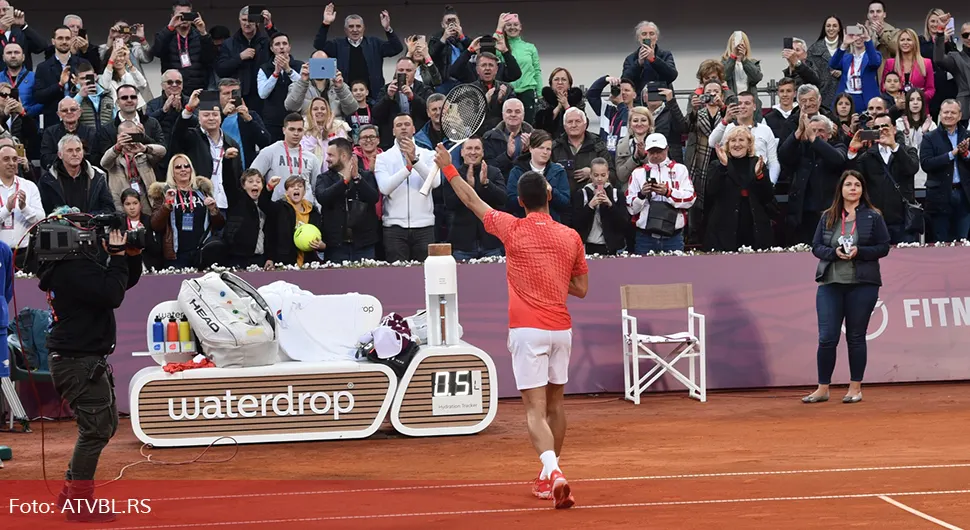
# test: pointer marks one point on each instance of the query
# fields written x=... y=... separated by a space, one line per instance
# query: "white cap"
x=655 y=141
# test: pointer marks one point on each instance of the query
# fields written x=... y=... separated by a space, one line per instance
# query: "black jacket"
x=84 y=295
x=934 y=155
x=440 y=51
x=903 y=166
x=230 y=64
x=109 y=132
x=99 y=196
x=385 y=109
x=725 y=187
x=192 y=141
x=816 y=168
x=53 y=134
x=872 y=240
x=465 y=229
x=154 y=109
x=281 y=219
x=373 y=48
x=615 y=219
x=253 y=134
x=202 y=56
x=242 y=217
x=544 y=119
x=337 y=200
x=47 y=91
x=593 y=147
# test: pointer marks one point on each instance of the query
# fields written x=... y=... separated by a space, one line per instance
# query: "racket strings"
x=463 y=112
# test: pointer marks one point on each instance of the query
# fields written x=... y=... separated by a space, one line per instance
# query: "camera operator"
x=83 y=294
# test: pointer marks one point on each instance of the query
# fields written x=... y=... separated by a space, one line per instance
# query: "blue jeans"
x=478 y=253
x=345 y=252
x=835 y=303
x=956 y=224
x=645 y=243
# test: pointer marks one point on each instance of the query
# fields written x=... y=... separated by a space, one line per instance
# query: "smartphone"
x=487 y=44
x=209 y=100
x=236 y=97
x=647 y=42
x=21 y=152
x=706 y=99
x=737 y=39
x=731 y=100
x=256 y=14
x=323 y=68
x=190 y=16
x=653 y=181
x=853 y=30
x=83 y=33
x=140 y=138
x=126 y=30
x=402 y=79
x=869 y=135
x=88 y=79
x=788 y=44
x=15 y=93
x=614 y=90
x=654 y=95
x=568 y=165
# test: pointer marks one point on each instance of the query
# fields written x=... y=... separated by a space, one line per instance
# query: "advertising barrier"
x=760 y=308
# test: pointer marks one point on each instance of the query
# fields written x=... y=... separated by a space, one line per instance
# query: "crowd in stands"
x=241 y=143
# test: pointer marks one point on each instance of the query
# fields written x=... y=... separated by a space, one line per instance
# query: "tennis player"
x=545 y=262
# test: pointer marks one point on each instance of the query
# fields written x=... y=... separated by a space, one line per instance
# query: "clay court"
x=748 y=460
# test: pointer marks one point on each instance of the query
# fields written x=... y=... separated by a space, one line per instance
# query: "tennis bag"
x=231 y=320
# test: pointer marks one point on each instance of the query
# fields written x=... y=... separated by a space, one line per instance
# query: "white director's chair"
x=690 y=345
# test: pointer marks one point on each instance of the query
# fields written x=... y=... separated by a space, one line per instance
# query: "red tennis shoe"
x=561 y=495
x=542 y=487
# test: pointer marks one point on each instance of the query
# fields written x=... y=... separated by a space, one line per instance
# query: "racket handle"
x=426 y=187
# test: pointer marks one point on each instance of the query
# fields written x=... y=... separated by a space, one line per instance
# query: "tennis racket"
x=462 y=114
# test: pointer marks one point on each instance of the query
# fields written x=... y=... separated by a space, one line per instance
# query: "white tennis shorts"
x=539 y=356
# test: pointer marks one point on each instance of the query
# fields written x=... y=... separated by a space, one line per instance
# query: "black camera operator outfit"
x=83 y=294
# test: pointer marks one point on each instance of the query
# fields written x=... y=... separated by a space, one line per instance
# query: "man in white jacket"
x=408 y=215
x=287 y=158
x=659 y=195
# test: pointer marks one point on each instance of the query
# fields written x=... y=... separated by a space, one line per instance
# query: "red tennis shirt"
x=542 y=257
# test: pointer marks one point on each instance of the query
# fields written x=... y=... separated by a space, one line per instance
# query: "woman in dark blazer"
x=860 y=75
x=742 y=198
x=850 y=239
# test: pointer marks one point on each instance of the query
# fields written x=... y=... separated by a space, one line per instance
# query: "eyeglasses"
x=128 y=98
x=965 y=35
x=882 y=126
x=4 y=94
x=174 y=82
x=367 y=138
x=70 y=110
x=182 y=166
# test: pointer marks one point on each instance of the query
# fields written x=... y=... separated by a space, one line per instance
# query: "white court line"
x=918 y=513
x=606 y=479
x=525 y=510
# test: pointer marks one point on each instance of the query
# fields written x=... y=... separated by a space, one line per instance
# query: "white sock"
x=549 y=464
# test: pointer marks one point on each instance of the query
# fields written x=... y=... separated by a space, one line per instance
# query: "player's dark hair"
x=292 y=117
x=342 y=145
x=246 y=175
x=532 y=190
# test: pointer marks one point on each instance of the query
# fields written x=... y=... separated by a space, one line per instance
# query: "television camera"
x=80 y=236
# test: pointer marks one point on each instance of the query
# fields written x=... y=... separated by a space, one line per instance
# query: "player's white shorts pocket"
x=539 y=356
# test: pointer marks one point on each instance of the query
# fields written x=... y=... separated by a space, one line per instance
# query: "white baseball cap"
x=655 y=141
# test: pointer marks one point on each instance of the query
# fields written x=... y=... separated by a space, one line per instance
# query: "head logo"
x=202 y=314
x=884 y=322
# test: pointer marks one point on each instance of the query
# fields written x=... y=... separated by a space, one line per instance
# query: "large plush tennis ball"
x=304 y=235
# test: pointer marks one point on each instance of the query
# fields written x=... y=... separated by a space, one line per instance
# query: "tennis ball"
x=304 y=235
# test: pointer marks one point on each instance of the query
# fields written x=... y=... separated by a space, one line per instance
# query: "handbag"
x=211 y=251
x=914 y=220
x=661 y=219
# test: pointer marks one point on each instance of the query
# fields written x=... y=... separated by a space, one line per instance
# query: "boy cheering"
x=545 y=262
